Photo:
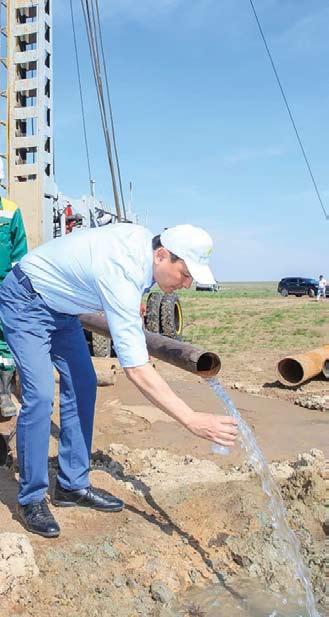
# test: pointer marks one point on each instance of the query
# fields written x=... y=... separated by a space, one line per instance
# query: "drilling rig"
x=27 y=138
x=27 y=121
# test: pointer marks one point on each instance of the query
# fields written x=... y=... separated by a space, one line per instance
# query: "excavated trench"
x=195 y=539
x=224 y=517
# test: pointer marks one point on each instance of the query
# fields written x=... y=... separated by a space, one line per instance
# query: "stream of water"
x=288 y=540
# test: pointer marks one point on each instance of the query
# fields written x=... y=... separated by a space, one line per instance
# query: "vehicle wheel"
x=100 y=346
x=311 y=293
x=171 y=316
x=284 y=292
x=152 y=315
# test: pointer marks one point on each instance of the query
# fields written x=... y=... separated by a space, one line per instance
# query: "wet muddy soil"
x=193 y=520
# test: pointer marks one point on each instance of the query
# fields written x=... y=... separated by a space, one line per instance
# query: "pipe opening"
x=325 y=369
x=178 y=317
x=291 y=370
x=3 y=451
x=208 y=362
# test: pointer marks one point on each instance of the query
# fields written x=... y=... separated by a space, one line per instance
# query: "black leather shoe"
x=37 y=518
x=88 y=498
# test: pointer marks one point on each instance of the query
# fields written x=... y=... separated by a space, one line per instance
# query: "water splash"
x=289 y=541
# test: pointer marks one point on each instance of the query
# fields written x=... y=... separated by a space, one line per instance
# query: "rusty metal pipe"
x=182 y=355
x=294 y=370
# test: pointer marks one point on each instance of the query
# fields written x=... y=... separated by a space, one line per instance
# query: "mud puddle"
x=240 y=598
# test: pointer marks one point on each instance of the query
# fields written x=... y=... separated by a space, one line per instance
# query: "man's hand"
x=220 y=429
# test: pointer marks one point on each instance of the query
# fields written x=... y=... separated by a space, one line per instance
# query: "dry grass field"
x=242 y=316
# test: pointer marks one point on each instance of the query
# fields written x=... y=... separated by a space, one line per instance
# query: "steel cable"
x=81 y=98
x=110 y=109
x=94 y=55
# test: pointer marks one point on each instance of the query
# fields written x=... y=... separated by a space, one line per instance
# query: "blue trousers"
x=41 y=338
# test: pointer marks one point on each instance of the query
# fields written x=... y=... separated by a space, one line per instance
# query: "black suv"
x=299 y=286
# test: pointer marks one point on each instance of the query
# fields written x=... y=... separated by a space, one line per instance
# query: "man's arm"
x=219 y=429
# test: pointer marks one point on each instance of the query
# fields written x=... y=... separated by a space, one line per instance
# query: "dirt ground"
x=193 y=520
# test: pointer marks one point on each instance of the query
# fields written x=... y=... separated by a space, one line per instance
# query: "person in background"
x=321 y=288
x=13 y=247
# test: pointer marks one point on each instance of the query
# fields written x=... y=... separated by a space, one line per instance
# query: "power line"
x=289 y=112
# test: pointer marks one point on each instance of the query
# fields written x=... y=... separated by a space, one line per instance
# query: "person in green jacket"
x=13 y=246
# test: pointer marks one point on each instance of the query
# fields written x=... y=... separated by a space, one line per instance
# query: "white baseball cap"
x=194 y=246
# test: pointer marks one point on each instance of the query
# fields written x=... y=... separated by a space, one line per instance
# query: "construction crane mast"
x=26 y=58
x=27 y=146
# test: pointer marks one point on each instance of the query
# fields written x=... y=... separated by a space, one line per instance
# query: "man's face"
x=170 y=275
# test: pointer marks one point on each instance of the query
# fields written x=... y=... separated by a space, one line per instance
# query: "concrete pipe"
x=294 y=370
x=182 y=355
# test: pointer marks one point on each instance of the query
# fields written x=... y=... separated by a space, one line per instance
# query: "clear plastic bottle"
x=223 y=450
x=228 y=406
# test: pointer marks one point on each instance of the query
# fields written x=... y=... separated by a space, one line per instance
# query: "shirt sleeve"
x=121 y=295
x=18 y=237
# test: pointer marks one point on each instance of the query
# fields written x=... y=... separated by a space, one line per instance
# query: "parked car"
x=299 y=286
x=201 y=287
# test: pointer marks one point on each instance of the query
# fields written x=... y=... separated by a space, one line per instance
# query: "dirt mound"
x=17 y=564
x=193 y=521
x=188 y=525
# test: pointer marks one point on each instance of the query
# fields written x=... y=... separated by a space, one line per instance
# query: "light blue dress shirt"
x=106 y=268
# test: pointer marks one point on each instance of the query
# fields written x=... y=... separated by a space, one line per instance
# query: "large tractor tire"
x=171 y=316
x=152 y=315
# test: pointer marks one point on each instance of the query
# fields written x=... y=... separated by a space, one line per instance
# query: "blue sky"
x=201 y=127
